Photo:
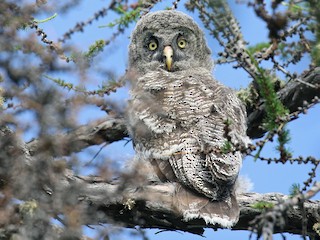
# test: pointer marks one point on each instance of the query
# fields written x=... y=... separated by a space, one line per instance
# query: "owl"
x=180 y=118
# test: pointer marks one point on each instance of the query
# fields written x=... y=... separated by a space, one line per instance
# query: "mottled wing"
x=202 y=106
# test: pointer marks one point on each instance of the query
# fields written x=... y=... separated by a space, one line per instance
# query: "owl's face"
x=168 y=40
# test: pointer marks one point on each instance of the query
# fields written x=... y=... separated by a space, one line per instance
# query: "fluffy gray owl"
x=177 y=117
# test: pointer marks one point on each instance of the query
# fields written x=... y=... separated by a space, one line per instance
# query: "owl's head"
x=168 y=40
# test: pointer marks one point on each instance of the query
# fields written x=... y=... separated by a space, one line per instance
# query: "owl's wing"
x=207 y=176
x=177 y=125
x=201 y=164
x=225 y=164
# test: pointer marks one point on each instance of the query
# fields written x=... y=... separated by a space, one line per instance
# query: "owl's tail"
x=224 y=213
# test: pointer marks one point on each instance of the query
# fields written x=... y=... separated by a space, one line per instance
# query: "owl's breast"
x=178 y=103
x=187 y=101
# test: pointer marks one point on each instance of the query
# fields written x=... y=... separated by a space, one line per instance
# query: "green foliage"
x=295 y=7
x=315 y=53
x=283 y=139
x=109 y=86
x=294 y=189
x=46 y=20
x=95 y=48
x=314 y=26
x=120 y=9
x=274 y=108
x=106 y=88
x=266 y=88
x=61 y=82
x=126 y=18
x=258 y=47
x=25 y=25
x=227 y=122
x=227 y=147
x=262 y=205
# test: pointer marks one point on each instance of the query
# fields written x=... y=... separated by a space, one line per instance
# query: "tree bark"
x=105 y=131
x=150 y=206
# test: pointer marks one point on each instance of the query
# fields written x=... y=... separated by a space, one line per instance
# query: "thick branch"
x=107 y=131
x=151 y=207
x=131 y=201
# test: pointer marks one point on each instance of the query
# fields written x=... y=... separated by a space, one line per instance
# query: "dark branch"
x=107 y=131
x=151 y=207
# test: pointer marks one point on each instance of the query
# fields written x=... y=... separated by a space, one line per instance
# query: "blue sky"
x=305 y=131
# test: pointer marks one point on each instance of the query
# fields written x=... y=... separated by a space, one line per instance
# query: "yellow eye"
x=153 y=45
x=182 y=43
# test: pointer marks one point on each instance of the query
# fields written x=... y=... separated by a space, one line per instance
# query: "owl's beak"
x=167 y=54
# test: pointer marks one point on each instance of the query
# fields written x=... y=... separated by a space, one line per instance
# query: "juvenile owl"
x=179 y=117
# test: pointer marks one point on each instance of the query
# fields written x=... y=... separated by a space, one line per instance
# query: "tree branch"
x=151 y=207
x=106 y=131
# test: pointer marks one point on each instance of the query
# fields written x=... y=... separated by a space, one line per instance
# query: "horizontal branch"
x=106 y=131
x=130 y=201
x=151 y=207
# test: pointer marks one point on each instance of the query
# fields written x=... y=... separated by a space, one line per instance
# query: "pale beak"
x=168 y=53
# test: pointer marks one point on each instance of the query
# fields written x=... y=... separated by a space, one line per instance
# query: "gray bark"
x=150 y=206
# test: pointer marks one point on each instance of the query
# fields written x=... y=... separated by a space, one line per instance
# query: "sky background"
x=266 y=178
